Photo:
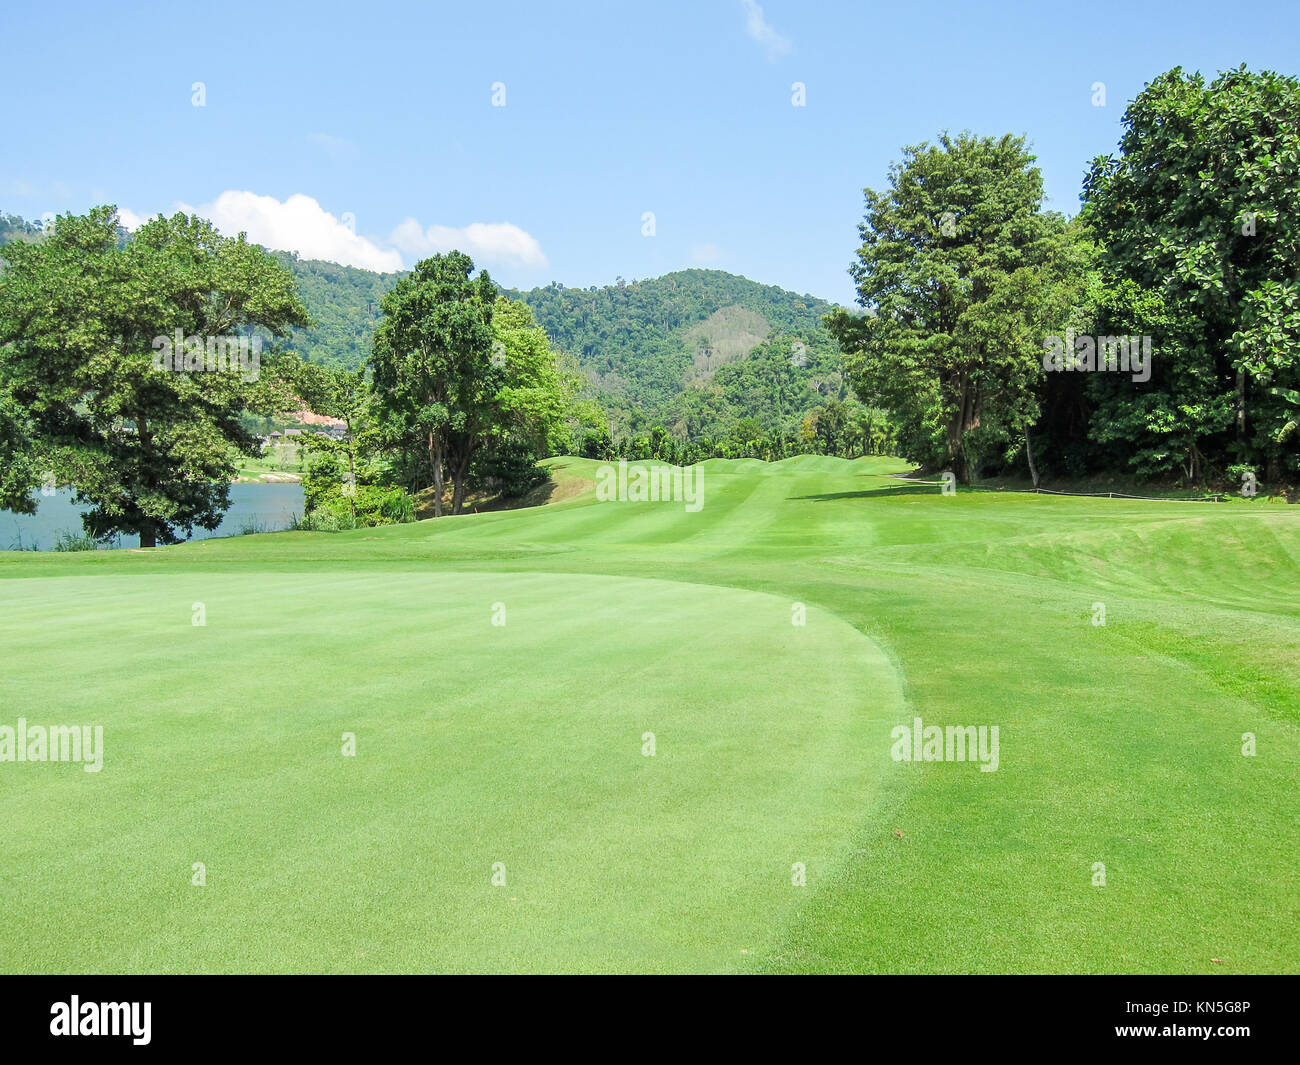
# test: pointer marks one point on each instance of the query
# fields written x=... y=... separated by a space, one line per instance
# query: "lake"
x=270 y=506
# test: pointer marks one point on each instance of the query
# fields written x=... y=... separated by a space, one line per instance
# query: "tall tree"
x=19 y=465
x=345 y=395
x=82 y=316
x=532 y=390
x=955 y=258
x=431 y=355
x=1198 y=212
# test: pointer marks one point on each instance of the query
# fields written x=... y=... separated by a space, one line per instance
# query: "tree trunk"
x=1029 y=454
x=1241 y=406
x=459 y=473
x=435 y=457
x=148 y=533
x=352 y=469
x=957 y=453
x=965 y=419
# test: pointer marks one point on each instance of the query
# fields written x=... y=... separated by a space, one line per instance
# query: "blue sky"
x=367 y=133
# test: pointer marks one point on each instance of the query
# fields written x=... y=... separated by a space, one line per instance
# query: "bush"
x=331 y=511
x=321 y=520
x=397 y=506
x=509 y=469
x=596 y=444
x=74 y=541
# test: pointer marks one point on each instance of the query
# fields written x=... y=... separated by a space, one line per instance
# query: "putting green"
x=477 y=743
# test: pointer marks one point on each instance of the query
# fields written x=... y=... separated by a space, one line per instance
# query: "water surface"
x=270 y=507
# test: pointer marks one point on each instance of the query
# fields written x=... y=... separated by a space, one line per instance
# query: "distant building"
x=304 y=416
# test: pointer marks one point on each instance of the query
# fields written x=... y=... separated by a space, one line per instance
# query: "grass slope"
x=522 y=744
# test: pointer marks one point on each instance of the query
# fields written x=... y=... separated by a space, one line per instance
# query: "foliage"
x=957 y=257
x=433 y=372
x=1197 y=212
x=80 y=317
x=509 y=469
x=348 y=460
x=532 y=412
x=74 y=541
x=631 y=340
x=19 y=463
x=370 y=505
x=344 y=303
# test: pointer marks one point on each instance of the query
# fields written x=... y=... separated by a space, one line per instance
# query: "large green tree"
x=533 y=390
x=1198 y=212
x=432 y=360
x=20 y=467
x=955 y=275
x=343 y=462
x=81 y=317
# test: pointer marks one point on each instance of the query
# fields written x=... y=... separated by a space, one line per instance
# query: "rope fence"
x=1216 y=497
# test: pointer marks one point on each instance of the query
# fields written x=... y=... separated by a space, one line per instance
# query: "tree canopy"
x=83 y=317
x=1197 y=218
x=955 y=275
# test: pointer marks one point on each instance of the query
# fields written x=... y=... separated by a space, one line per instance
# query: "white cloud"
x=761 y=31
x=494 y=243
x=302 y=225
x=298 y=224
x=129 y=219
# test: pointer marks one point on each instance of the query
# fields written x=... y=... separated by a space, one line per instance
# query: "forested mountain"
x=700 y=354
x=695 y=351
x=642 y=340
x=343 y=302
x=14 y=228
x=703 y=354
x=640 y=344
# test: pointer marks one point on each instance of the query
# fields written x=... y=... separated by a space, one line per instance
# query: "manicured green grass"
x=279 y=459
x=522 y=743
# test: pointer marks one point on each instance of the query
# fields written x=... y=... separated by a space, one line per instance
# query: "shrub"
x=320 y=520
x=74 y=541
x=331 y=511
x=509 y=469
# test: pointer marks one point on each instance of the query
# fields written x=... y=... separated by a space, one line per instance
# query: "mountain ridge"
x=695 y=350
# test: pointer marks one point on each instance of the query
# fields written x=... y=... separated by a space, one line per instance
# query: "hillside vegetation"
x=649 y=351
x=705 y=356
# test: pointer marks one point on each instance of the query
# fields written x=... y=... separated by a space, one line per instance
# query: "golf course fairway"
x=614 y=736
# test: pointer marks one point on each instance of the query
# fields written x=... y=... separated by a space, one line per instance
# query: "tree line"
x=462 y=385
x=1156 y=334
x=462 y=389
x=637 y=345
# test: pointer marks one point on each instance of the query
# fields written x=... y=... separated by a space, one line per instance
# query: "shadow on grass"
x=884 y=492
x=478 y=502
